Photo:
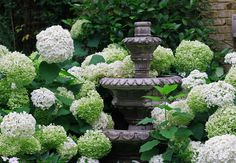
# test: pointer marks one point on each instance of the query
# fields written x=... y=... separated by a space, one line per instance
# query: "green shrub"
x=112 y=20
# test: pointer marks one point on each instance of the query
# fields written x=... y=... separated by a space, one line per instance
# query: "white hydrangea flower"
x=55 y=44
x=43 y=98
x=95 y=72
x=195 y=78
x=102 y=122
x=18 y=125
x=219 y=94
x=87 y=160
x=156 y=159
x=11 y=160
x=76 y=71
x=159 y=115
x=219 y=149
x=230 y=58
x=121 y=69
x=68 y=149
x=195 y=147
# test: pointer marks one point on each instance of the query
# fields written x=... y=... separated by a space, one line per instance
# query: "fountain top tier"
x=141 y=47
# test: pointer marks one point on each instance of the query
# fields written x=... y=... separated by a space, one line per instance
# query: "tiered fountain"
x=128 y=96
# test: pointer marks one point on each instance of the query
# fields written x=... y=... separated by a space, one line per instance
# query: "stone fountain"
x=128 y=96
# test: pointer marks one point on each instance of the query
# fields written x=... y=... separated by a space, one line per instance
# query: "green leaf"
x=167 y=89
x=93 y=42
x=169 y=133
x=64 y=100
x=146 y=156
x=23 y=109
x=63 y=111
x=165 y=107
x=148 y=145
x=167 y=156
x=97 y=59
x=198 y=130
x=49 y=72
x=153 y=98
x=183 y=133
x=163 y=3
x=219 y=72
x=79 y=50
x=146 y=121
x=156 y=134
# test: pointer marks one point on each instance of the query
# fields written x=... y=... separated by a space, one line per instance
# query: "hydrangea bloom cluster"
x=62 y=91
x=219 y=94
x=9 y=146
x=216 y=94
x=17 y=68
x=156 y=159
x=218 y=149
x=222 y=122
x=18 y=98
x=88 y=108
x=191 y=55
x=159 y=115
x=68 y=149
x=10 y=160
x=195 y=78
x=51 y=136
x=104 y=122
x=76 y=71
x=230 y=58
x=18 y=125
x=114 y=52
x=3 y=50
x=55 y=44
x=121 y=69
x=163 y=58
x=196 y=100
x=231 y=77
x=185 y=114
x=87 y=160
x=77 y=30
x=43 y=98
x=12 y=146
x=95 y=72
x=85 y=88
x=194 y=147
x=94 y=144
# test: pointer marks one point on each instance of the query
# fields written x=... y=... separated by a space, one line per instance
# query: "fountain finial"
x=141 y=48
x=142 y=29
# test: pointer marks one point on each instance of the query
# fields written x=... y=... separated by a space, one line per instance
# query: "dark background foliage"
x=111 y=20
x=21 y=20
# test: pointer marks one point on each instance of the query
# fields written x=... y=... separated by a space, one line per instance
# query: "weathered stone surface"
x=221 y=12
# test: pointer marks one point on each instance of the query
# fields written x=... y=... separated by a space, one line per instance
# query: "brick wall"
x=221 y=13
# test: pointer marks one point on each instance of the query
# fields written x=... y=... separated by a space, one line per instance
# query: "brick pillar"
x=221 y=12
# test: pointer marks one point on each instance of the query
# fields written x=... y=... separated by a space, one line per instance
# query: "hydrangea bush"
x=53 y=109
